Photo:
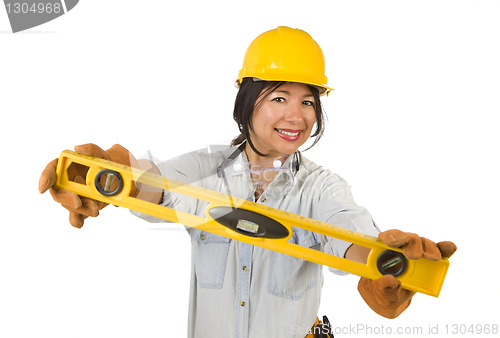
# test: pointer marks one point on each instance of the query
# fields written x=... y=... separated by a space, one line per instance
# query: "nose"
x=294 y=112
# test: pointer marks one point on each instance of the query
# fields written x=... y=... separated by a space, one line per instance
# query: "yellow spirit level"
x=248 y=222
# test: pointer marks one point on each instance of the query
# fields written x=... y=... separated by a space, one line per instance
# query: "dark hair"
x=246 y=102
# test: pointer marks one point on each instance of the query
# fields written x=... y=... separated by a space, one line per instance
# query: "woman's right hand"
x=81 y=207
x=385 y=295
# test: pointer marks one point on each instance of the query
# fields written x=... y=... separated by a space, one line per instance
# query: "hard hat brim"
x=323 y=90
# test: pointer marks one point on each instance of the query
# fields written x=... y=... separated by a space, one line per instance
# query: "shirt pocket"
x=210 y=255
x=291 y=277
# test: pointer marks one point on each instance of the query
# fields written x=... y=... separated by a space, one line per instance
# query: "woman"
x=238 y=290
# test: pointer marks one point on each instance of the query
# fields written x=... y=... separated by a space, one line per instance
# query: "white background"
x=412 y=127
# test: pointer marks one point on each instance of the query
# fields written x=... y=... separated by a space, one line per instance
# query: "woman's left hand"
x=385 y=295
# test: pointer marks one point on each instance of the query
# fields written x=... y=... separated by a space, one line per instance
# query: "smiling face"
x=283 y=121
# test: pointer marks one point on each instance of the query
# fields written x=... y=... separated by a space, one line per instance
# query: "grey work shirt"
x=240 y=290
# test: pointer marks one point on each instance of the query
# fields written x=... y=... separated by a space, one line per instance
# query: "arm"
x=357 y=253
x=148 y=193
x=384 y=295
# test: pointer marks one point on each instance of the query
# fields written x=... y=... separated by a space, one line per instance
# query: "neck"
x=265 y=161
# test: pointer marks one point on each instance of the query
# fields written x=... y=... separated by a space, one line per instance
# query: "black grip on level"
x=249 y=223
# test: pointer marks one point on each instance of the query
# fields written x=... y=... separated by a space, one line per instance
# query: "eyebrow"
x=288 y=93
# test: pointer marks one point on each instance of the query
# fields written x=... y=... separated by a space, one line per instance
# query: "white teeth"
x=287 y=133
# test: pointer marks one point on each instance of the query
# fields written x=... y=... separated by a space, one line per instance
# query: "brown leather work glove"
x=81 y=207
x=385 y=295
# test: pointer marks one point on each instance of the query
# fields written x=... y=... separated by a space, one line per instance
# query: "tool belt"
x=321 y=329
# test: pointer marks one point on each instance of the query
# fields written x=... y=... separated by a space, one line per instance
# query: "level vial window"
x=391 y=263
x=108 y=182
x=247 y=226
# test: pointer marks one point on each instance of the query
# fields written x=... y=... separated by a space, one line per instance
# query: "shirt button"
x=245 y=268
x=242 y=303
x=263 y=199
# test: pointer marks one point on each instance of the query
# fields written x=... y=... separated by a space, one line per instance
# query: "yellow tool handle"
x=237 y=221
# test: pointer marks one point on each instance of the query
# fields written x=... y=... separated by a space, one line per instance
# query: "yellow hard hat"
x=285 y=54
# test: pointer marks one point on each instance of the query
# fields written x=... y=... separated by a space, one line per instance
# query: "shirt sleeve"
x=185 y=168
x=336 y=206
